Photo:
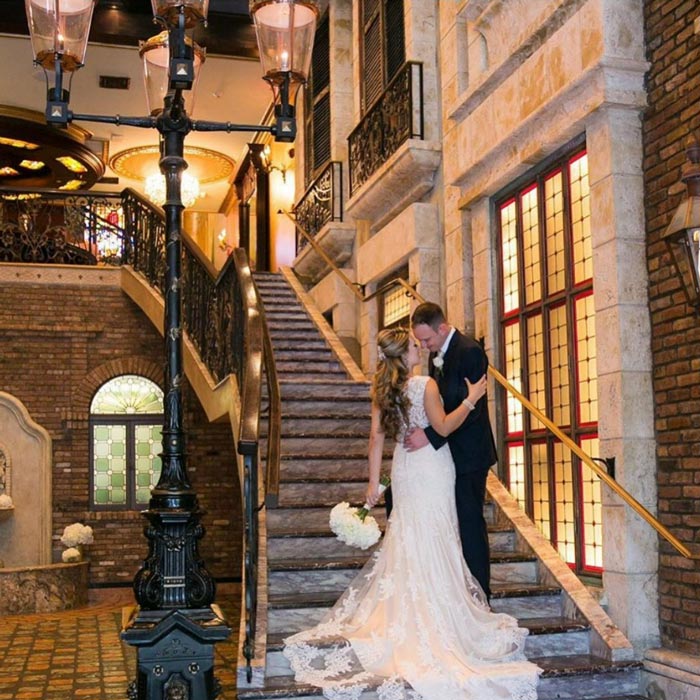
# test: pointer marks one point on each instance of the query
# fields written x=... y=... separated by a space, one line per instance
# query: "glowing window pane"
x=540 y=488
x=128 y=394
x=397 y=306
x=554 y=228
x=531 y=245
x=581 y=219
x=565 y=540
x=536 y=369
x=559 y=358
x=513 y=353
x=591 y=498
x=516 y=471
x=148 y=446
x=586 y=360
x=509 y=257
x=109 y=466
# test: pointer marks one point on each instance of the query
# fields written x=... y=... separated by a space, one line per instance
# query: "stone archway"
x=25 y=537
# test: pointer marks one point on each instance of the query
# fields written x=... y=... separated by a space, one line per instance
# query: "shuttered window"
x=383 y=46
x=317 y=123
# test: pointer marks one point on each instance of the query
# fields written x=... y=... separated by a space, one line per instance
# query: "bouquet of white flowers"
x=76 y=534
x=355 y=526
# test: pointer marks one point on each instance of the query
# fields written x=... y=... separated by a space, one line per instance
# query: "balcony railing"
x=395 y=117
x=322 y=202
x=70 y=228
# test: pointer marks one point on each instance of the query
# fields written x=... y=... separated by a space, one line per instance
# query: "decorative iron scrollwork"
x=393 y=119
x=322 y=202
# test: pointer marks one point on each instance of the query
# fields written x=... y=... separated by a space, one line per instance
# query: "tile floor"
x=78 y=655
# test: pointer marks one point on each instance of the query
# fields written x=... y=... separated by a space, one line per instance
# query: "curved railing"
x=224 y=319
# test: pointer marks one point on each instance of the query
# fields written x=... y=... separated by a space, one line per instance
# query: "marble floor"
x=78 y=655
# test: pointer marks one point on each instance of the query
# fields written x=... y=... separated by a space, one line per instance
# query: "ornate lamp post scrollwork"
x=176 y=622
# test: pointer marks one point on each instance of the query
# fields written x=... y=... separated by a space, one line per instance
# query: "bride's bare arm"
x=443 y=423
x=376 y=451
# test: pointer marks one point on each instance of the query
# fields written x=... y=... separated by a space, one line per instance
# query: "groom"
x=453 y=357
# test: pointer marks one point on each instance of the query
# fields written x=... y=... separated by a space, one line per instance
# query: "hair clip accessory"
x=380 y=354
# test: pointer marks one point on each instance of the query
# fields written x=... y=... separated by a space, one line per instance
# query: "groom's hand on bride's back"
x=415 y=439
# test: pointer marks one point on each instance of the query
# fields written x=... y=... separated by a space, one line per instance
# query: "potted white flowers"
x=74 y=537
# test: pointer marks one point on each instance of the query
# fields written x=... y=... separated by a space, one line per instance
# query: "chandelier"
x=155 y=189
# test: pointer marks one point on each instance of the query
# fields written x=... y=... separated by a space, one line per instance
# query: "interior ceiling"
x=230 y=87
x=230 y=31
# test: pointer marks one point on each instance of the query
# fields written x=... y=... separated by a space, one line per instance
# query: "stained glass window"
x=549 y=353
x=126 y=418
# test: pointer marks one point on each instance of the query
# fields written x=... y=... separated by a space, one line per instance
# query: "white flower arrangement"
x=76 y=534
x=71 y=554
x=354 y=526
x=6 y=501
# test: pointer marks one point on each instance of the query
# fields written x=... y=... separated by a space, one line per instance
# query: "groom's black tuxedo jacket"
x=472 y=444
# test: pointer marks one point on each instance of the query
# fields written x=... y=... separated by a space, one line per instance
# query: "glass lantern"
x=155 y=54
x=59 y=27
x=285 y=31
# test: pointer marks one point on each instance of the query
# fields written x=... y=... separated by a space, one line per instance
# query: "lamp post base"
x=175 y=653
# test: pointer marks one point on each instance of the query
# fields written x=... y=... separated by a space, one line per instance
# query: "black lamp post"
x=176 y=623
x=682 y=235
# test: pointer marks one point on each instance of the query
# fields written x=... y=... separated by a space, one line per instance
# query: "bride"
x=414 y=614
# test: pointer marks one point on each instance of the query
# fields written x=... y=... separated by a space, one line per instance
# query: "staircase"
x=325 y=427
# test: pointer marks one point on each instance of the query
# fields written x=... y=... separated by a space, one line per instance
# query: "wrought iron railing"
x=322 y=202
x=395 y=117
x=54 y=226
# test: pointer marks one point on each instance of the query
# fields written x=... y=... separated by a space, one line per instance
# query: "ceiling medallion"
x=203 y=163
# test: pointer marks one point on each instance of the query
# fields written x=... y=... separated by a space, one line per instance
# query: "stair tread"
x=356 y=562
x=297 y=530
x=553 y=666
x=536 y=626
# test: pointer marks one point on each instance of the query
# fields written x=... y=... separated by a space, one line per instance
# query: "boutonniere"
x=439 y=361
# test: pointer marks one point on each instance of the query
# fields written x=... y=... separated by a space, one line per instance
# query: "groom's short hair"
x=429 y=314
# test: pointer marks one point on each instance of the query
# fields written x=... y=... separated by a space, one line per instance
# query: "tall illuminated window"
x=126 y=416
x=549 y=354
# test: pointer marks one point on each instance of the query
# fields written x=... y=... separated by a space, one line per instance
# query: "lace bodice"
x=417 y=418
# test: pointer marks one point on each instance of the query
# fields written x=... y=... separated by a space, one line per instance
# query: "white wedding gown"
x=415 y=613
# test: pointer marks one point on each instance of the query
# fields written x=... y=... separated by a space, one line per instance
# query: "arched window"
x=126 y=416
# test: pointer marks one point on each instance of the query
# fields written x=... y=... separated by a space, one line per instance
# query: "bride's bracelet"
x=469 y=404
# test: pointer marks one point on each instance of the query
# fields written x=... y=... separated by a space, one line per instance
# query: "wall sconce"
x=262 y=160
x=682 y=236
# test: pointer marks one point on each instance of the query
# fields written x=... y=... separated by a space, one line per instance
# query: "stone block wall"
x=673 y=50
x=60 y=342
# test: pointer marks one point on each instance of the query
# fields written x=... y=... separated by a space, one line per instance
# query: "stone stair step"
x=586 y=677
x=322 y=354
x=350 y=469
x=579 y=677
x=310 y=406
x=324 y=390
x=324 y=365
x=548 y=636
x=309 y=345
x=326 y=544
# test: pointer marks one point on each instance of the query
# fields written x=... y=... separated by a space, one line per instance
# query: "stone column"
x=625 y=397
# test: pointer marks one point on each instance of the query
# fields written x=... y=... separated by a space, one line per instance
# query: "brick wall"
x=673 y=49
x=59 y=344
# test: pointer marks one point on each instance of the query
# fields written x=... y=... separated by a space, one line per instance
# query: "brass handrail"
x=602 y=474
x=573 y=447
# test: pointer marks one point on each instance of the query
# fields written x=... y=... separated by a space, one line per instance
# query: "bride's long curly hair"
x=390 y=379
